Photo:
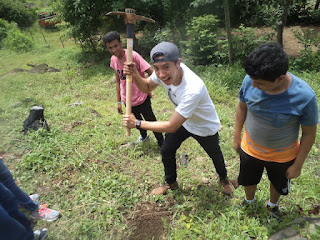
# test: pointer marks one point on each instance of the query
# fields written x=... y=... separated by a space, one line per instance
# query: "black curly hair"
x=267 y=62
x=111 y=36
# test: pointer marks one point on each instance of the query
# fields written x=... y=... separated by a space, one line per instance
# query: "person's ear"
x=281 y=78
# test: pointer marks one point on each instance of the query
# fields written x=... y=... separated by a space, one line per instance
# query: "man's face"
x=168 y=72
x=265 y=85
x=114 y=48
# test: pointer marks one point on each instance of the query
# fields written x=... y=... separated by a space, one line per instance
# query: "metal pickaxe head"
x=131 y=17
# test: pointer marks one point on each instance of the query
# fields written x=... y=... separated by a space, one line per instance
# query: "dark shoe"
x=164 y=188
x=245 y=203
x=141 y=139
x=234 y=183
x=40 y=234
x=275 y=212
x=227 y=186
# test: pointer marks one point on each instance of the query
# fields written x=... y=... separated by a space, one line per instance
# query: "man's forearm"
x=306 y=143
x=163 y=126
x=142 y=83
x=241 y=115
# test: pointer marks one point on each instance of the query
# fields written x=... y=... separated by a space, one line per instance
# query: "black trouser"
x=173 y=141
x=145 y=110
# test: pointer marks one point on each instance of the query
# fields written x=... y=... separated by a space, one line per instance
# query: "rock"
x=184 y=159
x=52 y=69
x=16 y=104
x=94 y=112
x=205 y=180
x=290 y=233
x=42 y=68
x=75 y=104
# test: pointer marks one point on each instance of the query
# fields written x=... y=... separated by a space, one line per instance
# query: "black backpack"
x=35 y=120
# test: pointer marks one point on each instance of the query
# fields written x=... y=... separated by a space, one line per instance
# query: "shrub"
x=308 y=60
x=202 y=45
x=307 y=37
x=245 y=40
x=16 y=11
x=3 y=30
x=15 y=40
x=151 y=38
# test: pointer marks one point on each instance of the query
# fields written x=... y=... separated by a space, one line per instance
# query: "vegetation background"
x=83 y=166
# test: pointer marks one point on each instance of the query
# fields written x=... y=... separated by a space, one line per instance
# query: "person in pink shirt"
x=141 y=102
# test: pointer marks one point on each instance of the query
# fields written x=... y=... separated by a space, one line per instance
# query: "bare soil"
x=291 y=44
x=147 y=221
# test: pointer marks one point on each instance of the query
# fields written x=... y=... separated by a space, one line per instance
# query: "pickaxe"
x=130 y=20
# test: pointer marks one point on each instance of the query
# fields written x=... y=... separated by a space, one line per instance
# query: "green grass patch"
x=81 y=168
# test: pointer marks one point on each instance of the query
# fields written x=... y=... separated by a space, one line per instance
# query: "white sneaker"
x=44 y=213
x=141 y=139
x=34 y=197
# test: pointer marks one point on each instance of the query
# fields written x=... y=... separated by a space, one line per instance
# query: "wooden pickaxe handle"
x=130 y=19
x=129 y=81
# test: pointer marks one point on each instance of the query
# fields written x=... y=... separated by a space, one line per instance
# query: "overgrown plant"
x=203 y=42
x=150 y=38
x=18 y=12
x=308 y=59
x=245 y=40
x=14 y=39
x=307 y=37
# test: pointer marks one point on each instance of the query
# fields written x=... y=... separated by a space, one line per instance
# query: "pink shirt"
x=138 y=97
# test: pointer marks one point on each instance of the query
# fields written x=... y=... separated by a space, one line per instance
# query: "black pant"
x=173 y=141
x=145 y=110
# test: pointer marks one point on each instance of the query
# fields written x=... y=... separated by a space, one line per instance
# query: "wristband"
x=119 y=102
x=138 y=124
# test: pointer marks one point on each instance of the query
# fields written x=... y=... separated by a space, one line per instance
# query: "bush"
x=307 y=61
x=151 y=38
x=203 y=43
x=16 y=11
x=265 y=12
x=15 y=40
x=245 y=40
x=3 y=30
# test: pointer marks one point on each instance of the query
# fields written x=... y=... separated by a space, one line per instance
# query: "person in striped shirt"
x=274 y=104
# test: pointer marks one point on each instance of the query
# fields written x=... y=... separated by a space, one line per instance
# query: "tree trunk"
x=228 y=29
x=281 y=24
x=316 y=7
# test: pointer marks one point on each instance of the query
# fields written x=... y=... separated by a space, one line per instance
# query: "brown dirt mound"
x=147 y=221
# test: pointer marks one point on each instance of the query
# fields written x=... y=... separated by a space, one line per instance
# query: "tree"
x=228 y=29
x=226 y=7
x=16 y=11
x=282 y=23
x=87 y=17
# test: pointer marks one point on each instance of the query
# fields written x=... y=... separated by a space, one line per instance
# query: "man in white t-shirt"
x=195 y=115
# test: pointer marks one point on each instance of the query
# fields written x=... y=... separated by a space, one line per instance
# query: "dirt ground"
x=290 y=44
x=148 y=221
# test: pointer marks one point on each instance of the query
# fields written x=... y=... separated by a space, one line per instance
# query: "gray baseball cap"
x=168 y=50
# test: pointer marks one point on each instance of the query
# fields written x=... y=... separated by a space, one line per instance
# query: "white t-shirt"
x=193 y=102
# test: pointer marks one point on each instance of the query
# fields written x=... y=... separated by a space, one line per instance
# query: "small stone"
x=205 y=180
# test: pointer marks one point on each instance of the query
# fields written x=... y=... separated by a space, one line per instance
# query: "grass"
x=81 y=168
